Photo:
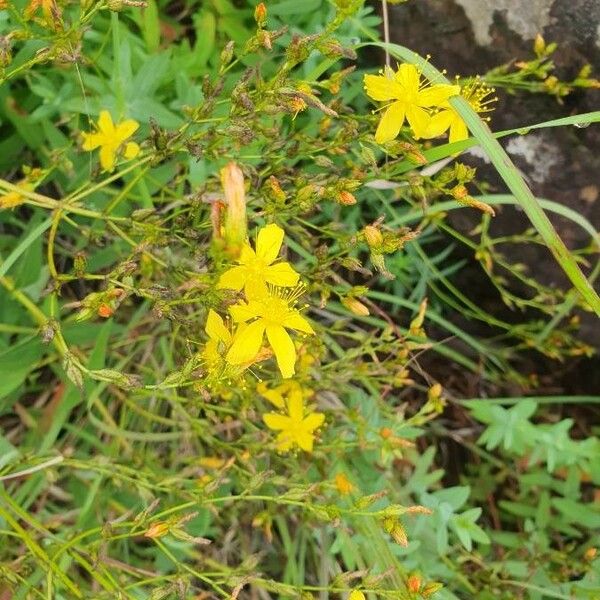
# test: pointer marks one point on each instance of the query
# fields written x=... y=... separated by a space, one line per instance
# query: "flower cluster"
x=267 y=313
x=426 y=107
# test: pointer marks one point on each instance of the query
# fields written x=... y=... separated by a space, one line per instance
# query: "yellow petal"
x=390 y=123
x=294 y=320
x=233 y=279
x=131 y=150
x=91 y=141
x=244 y=312
x=247 y=255
x=436 y=95
x=408 y=77
x=439 y=123
x=458 y=130
x=274 y=397
x=281 y=274
x=284 y=441
x=125 y=129
x=418 y=120
x=284 y=349
x=255 y=288
x=105 y=123
x=305 y=440
x=313 y=421
x=269 y=242
x=215 y=328
x=246 y=346
x=382 y=88
x=275 y=421
x=108 y=157
x=295 y=405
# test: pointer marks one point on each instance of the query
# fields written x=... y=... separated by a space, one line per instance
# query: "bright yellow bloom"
x=409 y=98
x=296 y=428
x=256 y=269
x=447 y=118
x=111 y=138
x=272 y=314
x=356 y=595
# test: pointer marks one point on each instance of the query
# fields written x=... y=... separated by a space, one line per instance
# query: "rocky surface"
x=563 y=164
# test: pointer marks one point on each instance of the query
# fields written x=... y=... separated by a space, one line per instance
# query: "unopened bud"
x=260 y=14
x=232 y=180
x=275 y=188
x=413 y=583
x=373 y=236
x=539 y=45
x=105 y=311
x=346 y=198
x=430 y=589
x=356 y=307
x=227 y=54
x=157 y=530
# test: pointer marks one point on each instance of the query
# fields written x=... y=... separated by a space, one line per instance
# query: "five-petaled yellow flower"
x=409 y=98
x=111 y=139
x=273 y=314
x=296 y=428
x=256 y=269
x=476 y=94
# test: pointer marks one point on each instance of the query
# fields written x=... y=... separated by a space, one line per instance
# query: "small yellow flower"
x=408 y=97
x=356 y=595
x=273 y=314
x=296 y=429
x=111 y=138
x=256 y=269
x=476 y=94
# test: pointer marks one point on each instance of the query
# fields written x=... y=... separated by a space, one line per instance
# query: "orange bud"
x=343 y=485
x=590 y=553
x=157 y=530
x=346 y=198
x=414 y=583
x=260 y=14
x=105 y=311
x=386 y=433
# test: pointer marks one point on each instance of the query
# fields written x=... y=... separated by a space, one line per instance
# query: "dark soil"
x=565 y=163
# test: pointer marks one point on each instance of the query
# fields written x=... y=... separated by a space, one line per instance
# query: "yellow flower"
x=409 y=98
x=297 y=428
x=476 y=94
x=273 y=314
x=256 y=269
x=356 y=595
x=110 y=139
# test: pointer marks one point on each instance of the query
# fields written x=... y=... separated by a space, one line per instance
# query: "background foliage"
x=118 y=464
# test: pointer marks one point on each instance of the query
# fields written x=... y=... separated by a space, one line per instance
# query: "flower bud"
x=260 y=14
x=346 y=198
x=105 y=311
x=157 y=530
x=413 y=583
x=373 y=236
x=355 y=307
x=234 y=230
